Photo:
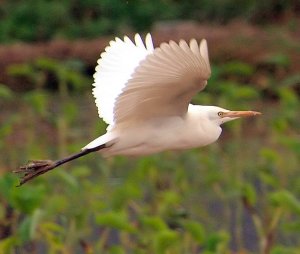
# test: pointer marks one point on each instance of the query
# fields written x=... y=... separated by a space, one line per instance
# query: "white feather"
x=115 y=67
x=164 y=83
x=135 y=83
x=145 y=93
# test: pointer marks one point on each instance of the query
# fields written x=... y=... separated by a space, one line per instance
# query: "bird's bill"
x=235 y=114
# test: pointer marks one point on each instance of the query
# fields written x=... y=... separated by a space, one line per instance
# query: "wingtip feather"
x=204 y=51
x=149 y=42
x=115 y=66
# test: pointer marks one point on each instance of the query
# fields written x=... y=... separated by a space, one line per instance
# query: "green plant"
x=240 y=194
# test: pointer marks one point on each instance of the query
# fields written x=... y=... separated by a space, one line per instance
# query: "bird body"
x=143 y=94
x=147 y=106
x=160 y=134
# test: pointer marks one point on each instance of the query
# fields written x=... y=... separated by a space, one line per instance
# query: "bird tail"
x=107 y=139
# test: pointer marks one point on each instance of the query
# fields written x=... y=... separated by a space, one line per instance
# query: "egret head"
x=221 y=115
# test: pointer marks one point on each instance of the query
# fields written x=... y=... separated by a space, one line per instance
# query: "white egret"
x=144 y=95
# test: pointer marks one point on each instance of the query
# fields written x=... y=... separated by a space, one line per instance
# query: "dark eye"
x=220 y=114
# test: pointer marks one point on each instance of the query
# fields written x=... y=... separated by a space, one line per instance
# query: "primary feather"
x=135 y=84
x=144 y=95
x=164 y=83
x=134 y=81
x=115 y=67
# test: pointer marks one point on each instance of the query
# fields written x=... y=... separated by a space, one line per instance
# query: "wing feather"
x=149 y=43
x=204 y=51
x=115 y=67
x=164 y=82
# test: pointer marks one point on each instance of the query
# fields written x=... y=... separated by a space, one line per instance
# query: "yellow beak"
x=234 y=114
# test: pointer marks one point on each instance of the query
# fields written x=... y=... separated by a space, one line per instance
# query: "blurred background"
x=239 y=195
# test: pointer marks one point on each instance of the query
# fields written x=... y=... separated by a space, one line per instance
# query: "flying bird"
x=143 y=94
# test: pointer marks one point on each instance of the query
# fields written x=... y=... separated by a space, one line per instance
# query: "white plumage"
x=144 y=95
x=114 y=69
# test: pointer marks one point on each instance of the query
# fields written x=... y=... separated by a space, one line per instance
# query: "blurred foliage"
x=240 y=194
x=40 y=20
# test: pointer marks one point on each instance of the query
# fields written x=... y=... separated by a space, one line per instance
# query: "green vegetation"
x=241 y=193
x=40 y=20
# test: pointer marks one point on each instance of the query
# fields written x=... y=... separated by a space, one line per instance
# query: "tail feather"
x=106 y=139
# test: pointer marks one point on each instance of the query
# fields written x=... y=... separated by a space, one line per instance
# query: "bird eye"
x=220 y=114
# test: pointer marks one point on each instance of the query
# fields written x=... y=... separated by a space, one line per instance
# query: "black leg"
x=38 y=167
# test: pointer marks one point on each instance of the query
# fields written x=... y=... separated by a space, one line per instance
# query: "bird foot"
x=33 y=169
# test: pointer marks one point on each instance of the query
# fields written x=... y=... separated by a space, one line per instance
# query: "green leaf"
x=269 y=154
x=81 y=171
x=217 y=242
x=236 y=94
x=288 y=97
x=293 y=227
x=164 y=240
x=24 y=230
x=35 y=220
x=6 y=128
x=68 y=178
x=8 y=183
x=278 y=59
x=116 y=250
x=286 y=200
x=237 y=68
x=38 y=100
x=153 y=222
x=117 y=220
x=291 y=80
x=47 y=64
x=51 y=227
x=52 y=234
x=268 y=179
x=70 y=111
x=26 y=198
x=2 y=211
x=248 y=192
x=196 y=230
x=5 y=92
x=170 y=197
x=293 y=143
x=284 y=250
x=126 y=192
x=8 y=244
x=26 y=70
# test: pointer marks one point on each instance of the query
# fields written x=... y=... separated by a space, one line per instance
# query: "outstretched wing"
x=115 y=67
x=164 y=82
